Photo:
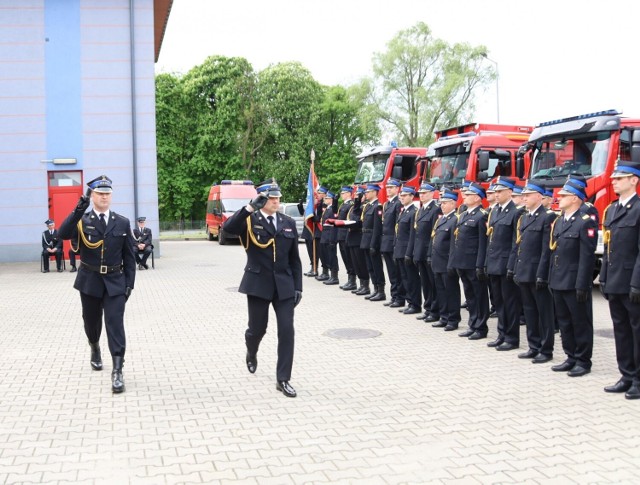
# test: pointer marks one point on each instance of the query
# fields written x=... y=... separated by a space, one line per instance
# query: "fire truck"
x=381 y=163
x=587 y=145
x=475 y=152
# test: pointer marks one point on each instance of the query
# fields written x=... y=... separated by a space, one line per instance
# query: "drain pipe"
x=134 y=127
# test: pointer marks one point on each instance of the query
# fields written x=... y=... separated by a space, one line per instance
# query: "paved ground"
x=414 y=405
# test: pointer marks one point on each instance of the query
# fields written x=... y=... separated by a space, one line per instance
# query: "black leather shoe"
x=431 y=318
x=252 y=362
x=411 y=310
x=45 y=270
x=620 y=386
x=380 y=296
x=117 y=381
x=146 y=266
x=477 y=336
x=397 y=304
x=541 y=359
x=466 y=333
x=529 y=354
x=450 y=328
x=96 y=357
x=60 y=270
x=564 y=367
x=421 y=317
x=495 y=343
x=140 y=267
x=439 y=324
x=505 y=346
x=285 y=388
x=633 y=392
x=311 y=273
x=578 y=371
x=73 y=269
x=390 y=302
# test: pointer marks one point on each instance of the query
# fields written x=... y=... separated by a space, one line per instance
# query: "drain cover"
x=351 y=333
x=606 y=333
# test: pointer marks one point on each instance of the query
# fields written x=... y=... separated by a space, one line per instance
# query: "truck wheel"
x=209 y=235
x=222 y=238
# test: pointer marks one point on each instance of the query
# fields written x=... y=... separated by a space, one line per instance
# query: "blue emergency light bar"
x=236 y=182
x=609 y=112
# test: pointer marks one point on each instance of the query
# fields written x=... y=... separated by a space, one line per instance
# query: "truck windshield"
x=371 y=169
x=560 y=156
x=232 y=205
x=448 y=169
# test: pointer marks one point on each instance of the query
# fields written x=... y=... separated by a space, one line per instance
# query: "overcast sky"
x=556 y=58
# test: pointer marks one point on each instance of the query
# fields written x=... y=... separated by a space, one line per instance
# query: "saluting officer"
x=346 y=194
x=272 y=276
x=403 y=252
x=390 y=211
x=501 y=234
x=574 y=236
x=107 y=272
x=51 y=245
x=424 y=222
x=447 y=286
x=468 y=258
x=620 y=275
x=531 y=272
x=371 y=236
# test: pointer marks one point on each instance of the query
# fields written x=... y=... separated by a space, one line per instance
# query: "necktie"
x=103 y=222
x=271 y=224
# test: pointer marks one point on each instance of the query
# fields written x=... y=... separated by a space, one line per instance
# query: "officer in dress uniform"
x=272 y=276
x=447 y=286
x=425 y=219
x=468 y=258
x=501 y=232
x=329 y=239
x=574 y=236
x=317 y=233
x=531 y=272
x=390 y=211
x=620 y=275
x=403 y=252
x=51 y=244
x=346 y=194
x=143 y=246
x=107 y=272
x=370 y=243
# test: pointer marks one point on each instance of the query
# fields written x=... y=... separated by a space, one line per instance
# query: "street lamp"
x=497 y=84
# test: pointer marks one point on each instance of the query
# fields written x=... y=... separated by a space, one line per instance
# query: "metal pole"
x=497 y=85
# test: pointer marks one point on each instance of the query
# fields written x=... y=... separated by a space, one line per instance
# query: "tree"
x=422 y=83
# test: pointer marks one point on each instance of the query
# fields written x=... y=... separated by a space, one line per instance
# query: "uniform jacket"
x=621 y=260
x=371 y=226
x=342 y=214
x=532 y=246
x=116 y=249
x=469 y=244
x=317 y=220
x=262 y=275
x=501 y=241
x=354 y=234
x=441 y=243
x=142 y=236
x=390 y=211
x=329 y=232
x=404 y=227
x=424 y=221
x=573 y=259
x=50 y=241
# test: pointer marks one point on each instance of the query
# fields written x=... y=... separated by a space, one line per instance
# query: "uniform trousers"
x=142 y=256
x=448 y=298
x=576 y=326
x=314 y=253
x=258 y=320
x=359 y=262
x=395 y=284
x=506 y=298
x=345 y=254
x=329 y=256
x=374 y=263
x=626 y=330
x=538 y=313
x=477 y=295
x=113 y=308
x=72 y=258
x=410 y=282
x=45 y=259
x=428 y=285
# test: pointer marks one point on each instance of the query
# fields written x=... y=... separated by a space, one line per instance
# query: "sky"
x=555 y=59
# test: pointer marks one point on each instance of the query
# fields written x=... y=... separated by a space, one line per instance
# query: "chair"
x=42 y=256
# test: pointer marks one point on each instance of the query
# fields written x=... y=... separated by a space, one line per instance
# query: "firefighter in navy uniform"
x=143 y=246
x=346 y=193
x=403 y=252
x=51 y=245
x=425 y=219
x=501 y=232
x=447 y=285
x=107 y=272
x=468 y=258
x=531 y=272
x=272 y=276
x=317 y=234
x=329 y=239
x=390 y=211
x=370 y=243
x=574 y=236
x=620 y=275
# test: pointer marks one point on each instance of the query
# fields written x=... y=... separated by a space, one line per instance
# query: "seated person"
x=143 y=246
x=51 y=245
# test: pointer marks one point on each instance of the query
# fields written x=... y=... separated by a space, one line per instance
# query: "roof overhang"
x=161 y=10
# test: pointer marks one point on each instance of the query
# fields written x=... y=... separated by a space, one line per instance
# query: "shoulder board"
x=588 y=204
x=484 y=211
x=586 y=216
x=549 y=211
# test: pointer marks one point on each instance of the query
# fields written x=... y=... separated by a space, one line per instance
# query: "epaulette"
x=586 y=216
x=549 y=211
x=588 y=204
x=484 y=211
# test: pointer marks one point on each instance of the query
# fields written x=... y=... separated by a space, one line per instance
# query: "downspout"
x=134 y=127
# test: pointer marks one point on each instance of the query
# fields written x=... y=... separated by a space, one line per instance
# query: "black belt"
x=102 y=269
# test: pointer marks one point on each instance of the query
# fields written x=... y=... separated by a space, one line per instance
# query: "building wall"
x=66 y=92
